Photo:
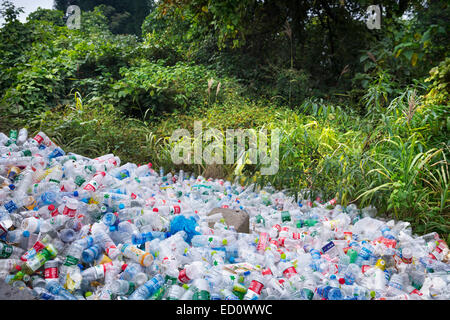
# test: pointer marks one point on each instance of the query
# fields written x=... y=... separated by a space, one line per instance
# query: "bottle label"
x=79 y=180
x=308 y=293
x=262 y=241
x=365 y=253
x=274 y=242
x=266 y=272
x=91 y=186
x=183 y=277
x=256 y=286
x=70 y=261
x=289 y=272
x=285 y=216
x=38 y=139
x=201 y=295
x=6 y=251
x=51 y=273
x=176 y=209
x=111 y=247
x=415 y=291
x=296 y=235
x=365 y=268
x=54 y=213
x=131 y=288
x=277 y=227
x=10 y=206
x=69 y=212
x=329 y=246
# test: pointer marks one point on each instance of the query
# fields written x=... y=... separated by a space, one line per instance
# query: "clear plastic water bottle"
x=92 y=253
x=103 y=239
x=122 y=287
x=56 y=288
x=144 y=291
x=136 y=254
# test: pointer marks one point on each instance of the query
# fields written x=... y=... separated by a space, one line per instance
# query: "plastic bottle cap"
x=51 y=207
x=18 y=268
x=75 y=193
x=11 y=186
x=26 y=233
x=341 y=280
x=333 y=276
x=155 y=210
x=121 y=206
x=124 y=266
x=88 y=294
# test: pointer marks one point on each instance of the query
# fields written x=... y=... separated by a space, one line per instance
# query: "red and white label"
x=266 y=272
x=69 y=212
x=54 y=212
x=289 y=272
x=89 y=187
x=277 y=227
x=176 y=209
x=183 y=277
x=365 y=268
x=296 y=235
x=274 y=242
x=415 y=291
x=51 y=273
x=262 y=241
x=113 y=247
x=281 y=241
x=38 y=139
x=256 y=286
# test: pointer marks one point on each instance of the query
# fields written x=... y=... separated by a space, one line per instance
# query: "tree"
x=125 y=17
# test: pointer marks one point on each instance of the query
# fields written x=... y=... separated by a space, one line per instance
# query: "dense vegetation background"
x=363 y=113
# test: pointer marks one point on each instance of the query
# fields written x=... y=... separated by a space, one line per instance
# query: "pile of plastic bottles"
x=78 y=228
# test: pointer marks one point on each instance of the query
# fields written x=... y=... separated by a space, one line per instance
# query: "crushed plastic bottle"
x=75 y=228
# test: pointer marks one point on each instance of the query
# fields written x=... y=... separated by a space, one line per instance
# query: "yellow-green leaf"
x=414 y=59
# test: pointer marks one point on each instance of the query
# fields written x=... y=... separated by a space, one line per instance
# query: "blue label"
x=330 y=245
x=10 y=206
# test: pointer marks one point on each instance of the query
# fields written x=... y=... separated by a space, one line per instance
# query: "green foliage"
x=153 y=87
x=53 y=16
x=439 y=92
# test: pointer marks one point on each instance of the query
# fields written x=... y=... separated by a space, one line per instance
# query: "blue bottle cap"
x=26 y=233
x=333 y=276
x=11 y=186
x=121 y=206
x=112 y=228
x=246 y=273
x=75 y=193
